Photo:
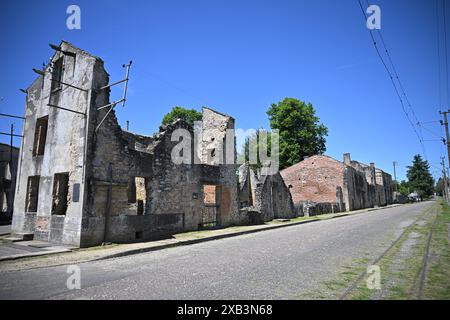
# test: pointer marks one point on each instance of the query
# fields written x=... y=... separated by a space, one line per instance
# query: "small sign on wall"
x=76 y=192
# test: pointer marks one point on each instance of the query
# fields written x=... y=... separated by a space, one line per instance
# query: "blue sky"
x=240 y=56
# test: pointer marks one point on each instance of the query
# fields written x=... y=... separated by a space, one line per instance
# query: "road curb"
x=32 y=254
x=200 y=240
x=229 y=235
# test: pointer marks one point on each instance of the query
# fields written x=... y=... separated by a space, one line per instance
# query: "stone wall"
x=174 y=193
x=217 y=148
x=324 y=184
x=266 y=194
x=356 y=188
x=378 y=190
x=309 y=208
x=63 y=151
x=315 y=179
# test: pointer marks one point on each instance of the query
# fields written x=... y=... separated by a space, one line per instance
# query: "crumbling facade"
x=83 y=181
x=266 y=195
x=9 y=156
x=321 y=184
x=379 y=191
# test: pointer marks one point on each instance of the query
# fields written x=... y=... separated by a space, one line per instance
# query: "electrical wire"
x=394 y=84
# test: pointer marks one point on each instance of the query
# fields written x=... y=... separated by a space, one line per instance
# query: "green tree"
x=188 y=115
x=252 y=145
x=440 y=186
x=420 y=178
x=301 y=133
x=403 y=188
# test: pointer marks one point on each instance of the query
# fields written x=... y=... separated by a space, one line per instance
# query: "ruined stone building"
x=9 y=156
x=83 y=181
x=321 y=184
x=266 y=194
x=379 y=183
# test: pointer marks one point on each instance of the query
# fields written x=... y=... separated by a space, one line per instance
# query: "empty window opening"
x=57 y=72
x=40 y=135
x=60 y=193
x=139 y=235
x=31 y=202
x=137 y=193
x=141 y=194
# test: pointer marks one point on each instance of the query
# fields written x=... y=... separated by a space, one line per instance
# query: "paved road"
x=286 y=263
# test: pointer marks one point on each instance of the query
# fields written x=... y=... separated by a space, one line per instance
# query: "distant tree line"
x=420 y=180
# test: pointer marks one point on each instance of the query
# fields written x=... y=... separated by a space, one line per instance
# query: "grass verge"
x=401 y=265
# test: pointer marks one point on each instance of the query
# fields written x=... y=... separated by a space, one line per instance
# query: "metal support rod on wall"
x=124 y=97
x=106 y=115
x=110 y=104
x=69 y=85
x=42 y=73
x=11 y=116
x=8 y=134
x=12 y=135
x=66 y=109
x=11 y=142
x=113 y=84
x=128 y=66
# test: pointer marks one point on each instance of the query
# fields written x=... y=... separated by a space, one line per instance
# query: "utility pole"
x=445 y=193
x=395 y=173
x=447 y=137
x=395 y=176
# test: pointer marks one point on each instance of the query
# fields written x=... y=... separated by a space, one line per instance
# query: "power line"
x=432 y=140
x=438 y=26
x=445 y=53
x=393 y=82
x=395 y=71
x=439 y=55
x=427 y=122
x=398 y=79
x=432 y=132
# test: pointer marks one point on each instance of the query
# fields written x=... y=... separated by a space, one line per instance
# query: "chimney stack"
x=347 y=159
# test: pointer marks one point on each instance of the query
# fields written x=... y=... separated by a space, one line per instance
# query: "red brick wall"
x=209 y=194
x=314 y=179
